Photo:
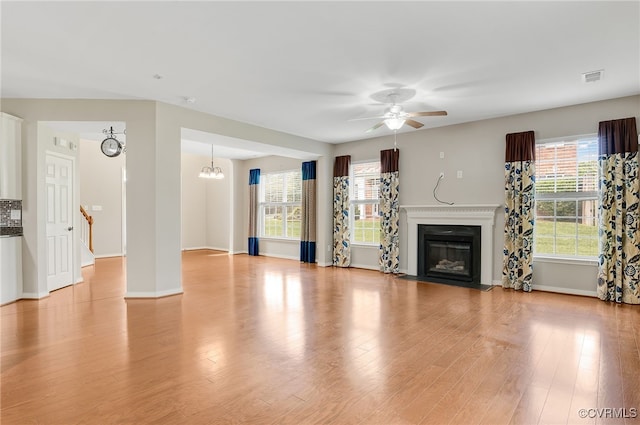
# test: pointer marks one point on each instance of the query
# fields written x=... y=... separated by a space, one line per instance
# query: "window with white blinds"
x=566 y=211
x=280 y=204
x=365 y=203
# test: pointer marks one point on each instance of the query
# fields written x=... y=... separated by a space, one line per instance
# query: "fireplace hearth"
x=449 y=253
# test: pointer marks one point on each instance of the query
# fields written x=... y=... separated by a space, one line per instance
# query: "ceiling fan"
x=395 y=116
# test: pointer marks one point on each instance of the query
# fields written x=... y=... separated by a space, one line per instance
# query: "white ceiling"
x=308 y=68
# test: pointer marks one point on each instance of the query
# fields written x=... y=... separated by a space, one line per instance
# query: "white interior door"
x=59 y=184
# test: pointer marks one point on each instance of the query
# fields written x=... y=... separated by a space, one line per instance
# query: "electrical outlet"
x=441 y=174
x=441 y=155
x=459 y=174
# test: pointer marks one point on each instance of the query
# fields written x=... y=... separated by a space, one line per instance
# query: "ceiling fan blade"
x=367 y=118
x=375 y=127
x=414 y=124
x=427 y=114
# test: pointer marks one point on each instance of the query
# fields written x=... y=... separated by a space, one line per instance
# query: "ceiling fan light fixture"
x=394 y=123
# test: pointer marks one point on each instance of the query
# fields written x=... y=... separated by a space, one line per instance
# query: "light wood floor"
x=263 y=340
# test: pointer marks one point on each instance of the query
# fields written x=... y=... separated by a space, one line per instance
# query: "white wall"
x=219 y=208
x=324 y=206
x=478 y=149
x=273 y=247
x=154 y=186
x=101 y=186
x=239 y=202
x=172 y=116
x=153 y=182
x=194 y=203
x=206 y=204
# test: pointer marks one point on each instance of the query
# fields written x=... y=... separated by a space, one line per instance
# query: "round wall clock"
x=111 y=147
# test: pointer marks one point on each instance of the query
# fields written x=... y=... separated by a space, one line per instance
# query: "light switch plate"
x=58 y=141
x=16 y=214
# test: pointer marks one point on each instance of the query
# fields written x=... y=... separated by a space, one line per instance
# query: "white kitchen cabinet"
x=10 y=269
x=10 y=190
x=10 y=157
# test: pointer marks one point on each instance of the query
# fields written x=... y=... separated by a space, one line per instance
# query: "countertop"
x=10 y=232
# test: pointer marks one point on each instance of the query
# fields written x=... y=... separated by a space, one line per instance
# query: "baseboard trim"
x=108 y=255
x=238 y=252
x=284 y=257
x=557 y=290
x=213 y=248
x=87 y=264
x=79 y=280
x=568 y=291
x=33 y=295
x=197 y=248
x=364 y=266
x=160 y=294
x=205 y=248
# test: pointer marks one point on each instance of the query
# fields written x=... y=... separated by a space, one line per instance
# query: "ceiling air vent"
x=592 y=76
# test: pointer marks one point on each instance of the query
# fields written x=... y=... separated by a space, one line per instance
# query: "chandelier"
x=211 y=172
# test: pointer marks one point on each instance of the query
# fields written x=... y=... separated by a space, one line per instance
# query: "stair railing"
x=86 y=229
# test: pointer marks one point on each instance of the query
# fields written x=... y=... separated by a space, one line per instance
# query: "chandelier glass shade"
x=211 y=172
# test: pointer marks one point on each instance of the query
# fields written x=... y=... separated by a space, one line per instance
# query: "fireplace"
x=451 y=215
x=449 y=253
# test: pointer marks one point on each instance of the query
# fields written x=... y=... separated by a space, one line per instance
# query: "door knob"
x=70 y=228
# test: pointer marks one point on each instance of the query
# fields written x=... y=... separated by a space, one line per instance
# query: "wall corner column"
x=154 y=261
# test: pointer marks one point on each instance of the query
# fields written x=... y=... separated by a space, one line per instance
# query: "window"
x=365 y=203
x=566 y=211
x=280 y=204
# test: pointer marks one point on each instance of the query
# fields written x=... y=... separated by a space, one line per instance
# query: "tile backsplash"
x=10 y=213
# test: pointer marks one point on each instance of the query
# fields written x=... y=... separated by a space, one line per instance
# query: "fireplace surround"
x=452 y=215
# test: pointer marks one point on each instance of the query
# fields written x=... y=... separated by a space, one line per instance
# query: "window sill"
x=365 y=245
x=586 y=261
x=274 y=239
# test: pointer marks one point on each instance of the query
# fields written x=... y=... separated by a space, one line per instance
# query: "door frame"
x=123 y=203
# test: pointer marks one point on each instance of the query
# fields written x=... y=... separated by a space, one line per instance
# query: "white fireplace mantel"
x=464 y=215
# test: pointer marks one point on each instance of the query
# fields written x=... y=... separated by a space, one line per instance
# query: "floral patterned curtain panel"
x=619 y=261
x=389 y=211
x=254 y=181
x=308 y=214
x=517 y=269
x=341 y=232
